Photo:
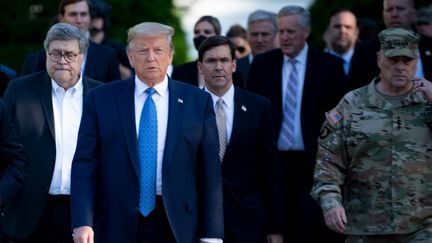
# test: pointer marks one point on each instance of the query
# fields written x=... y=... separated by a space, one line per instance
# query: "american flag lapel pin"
x=244 y=108
x=179 y=100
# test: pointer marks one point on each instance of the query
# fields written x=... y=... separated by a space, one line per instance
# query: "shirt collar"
x=228 y=97
x=161 y=88
x=301 y=57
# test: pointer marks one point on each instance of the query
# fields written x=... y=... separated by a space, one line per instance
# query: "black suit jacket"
x=188 y=73
x=364 y=65
x=13 y=163
x=101 y=63
x=322 y=90
x=30 y=102
x=253 y=204
x=243 y=66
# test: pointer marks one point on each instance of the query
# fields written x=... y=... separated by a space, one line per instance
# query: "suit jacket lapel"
x=239 y=119
x=44 y=93
x=175 y=119
x=126 y=107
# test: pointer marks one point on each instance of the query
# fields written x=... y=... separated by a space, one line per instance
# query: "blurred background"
x=23 y=23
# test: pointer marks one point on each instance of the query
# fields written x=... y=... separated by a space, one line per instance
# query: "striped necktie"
x=221 y=126
x=286 y=136
x=147 y=153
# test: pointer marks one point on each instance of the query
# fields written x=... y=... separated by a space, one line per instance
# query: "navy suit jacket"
x=101 y=63
x=105 y=170
x=322 y=90
x=30 y=102
x=253 y=186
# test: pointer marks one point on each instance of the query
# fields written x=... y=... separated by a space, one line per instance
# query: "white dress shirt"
x=67 y=110
x=161 y=101
x=161 y=98
x=301 y=72
x=228 y=106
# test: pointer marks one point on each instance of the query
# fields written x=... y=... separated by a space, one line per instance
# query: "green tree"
x=24 y=23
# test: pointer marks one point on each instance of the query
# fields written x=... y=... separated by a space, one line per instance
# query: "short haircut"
x=338 y=11
x=213 y=21
x=150 y=29
x=261 y=15
x=64 y=3
x=304 y=15
x=214 y=41
x=237 y=31
x=66 y=32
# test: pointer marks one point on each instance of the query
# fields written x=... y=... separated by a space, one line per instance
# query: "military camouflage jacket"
x=375 y=159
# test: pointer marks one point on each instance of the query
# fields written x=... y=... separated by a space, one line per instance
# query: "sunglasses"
x=241 y=49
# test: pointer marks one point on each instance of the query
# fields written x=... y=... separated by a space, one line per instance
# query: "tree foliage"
x=24 y=23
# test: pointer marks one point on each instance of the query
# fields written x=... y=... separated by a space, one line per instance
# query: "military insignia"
x=334 y=118
x=244 y=108
x=325 y=131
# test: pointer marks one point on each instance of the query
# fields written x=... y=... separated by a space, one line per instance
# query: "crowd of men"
x=263 y=138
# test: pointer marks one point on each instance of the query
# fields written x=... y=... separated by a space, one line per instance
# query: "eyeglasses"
x=56 y=56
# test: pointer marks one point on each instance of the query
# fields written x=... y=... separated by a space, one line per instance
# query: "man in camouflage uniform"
x=373 y=177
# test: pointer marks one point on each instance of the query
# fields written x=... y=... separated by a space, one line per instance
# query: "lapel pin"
x=244 y=108
x=428 y=53
x=180 y=100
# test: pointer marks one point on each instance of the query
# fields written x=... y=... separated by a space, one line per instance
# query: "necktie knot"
x=220 y=103
x=150 y=91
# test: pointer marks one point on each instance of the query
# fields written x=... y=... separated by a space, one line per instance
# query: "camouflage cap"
x=424 y=15
x=398 y=42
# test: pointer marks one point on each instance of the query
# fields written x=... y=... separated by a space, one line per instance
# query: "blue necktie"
x=287 y=136
x=147 y=153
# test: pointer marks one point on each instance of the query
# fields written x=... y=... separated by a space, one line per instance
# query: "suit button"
x=52 y=162
x=136 y=209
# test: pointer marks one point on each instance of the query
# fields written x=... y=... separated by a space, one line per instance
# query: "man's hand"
x=335 y=219
x=424 y=86
x=275 y=238
x=83 y=234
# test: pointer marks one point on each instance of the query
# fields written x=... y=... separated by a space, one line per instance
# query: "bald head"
x=398 y=13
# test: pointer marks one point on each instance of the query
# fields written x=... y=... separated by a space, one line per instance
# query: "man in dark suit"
x=396 y=14
x=13 y=163
x=166 y=185
x=100 y=61
x=302 y=83
x=252 y=182
x=46 y=109
x=262 y=30
x=205 y=27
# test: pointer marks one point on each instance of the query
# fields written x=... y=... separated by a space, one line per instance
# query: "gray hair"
x=66 y=32
x=150 y=29
x=304 y=15
x=261 y=15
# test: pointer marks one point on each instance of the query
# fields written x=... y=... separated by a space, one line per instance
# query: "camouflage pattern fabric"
x=375 y=160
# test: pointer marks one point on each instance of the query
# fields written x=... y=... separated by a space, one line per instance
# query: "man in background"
x=341 y=36
x=100 y=62
x=262 y=33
